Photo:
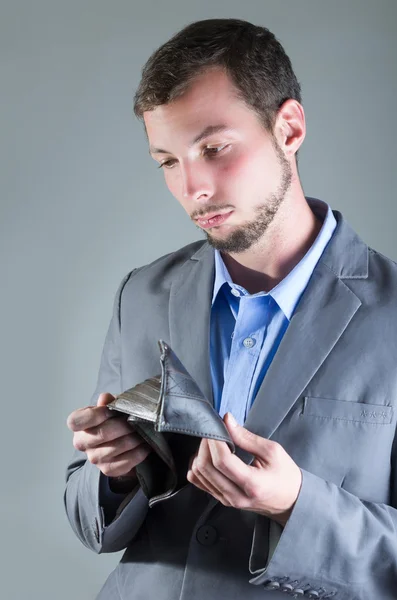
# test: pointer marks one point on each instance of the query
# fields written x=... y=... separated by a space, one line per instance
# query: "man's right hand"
x=109 y=442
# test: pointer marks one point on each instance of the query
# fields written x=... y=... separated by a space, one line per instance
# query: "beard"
x=250 y=232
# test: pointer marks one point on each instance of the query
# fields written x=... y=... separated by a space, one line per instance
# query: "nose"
x=196 y=183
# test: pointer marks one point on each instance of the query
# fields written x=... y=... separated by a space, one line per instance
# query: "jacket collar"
x=346 y=254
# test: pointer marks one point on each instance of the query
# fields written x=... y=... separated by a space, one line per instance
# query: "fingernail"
x=232 y=420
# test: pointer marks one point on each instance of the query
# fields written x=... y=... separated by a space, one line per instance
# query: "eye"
x=215 y=150
x=166 y=164
x=209 y=151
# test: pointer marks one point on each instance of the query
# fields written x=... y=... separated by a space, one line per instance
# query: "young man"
x=287 y=321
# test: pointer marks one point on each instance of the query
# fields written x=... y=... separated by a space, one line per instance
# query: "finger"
x=245 y=439
x=203 y=485
x=209 y=475
x=108 y=431
x=105 y=452
x=89 y=416
x=194 y=477
x=125 y=462
x=105 y=399
x=225 y=496
x=230 y=467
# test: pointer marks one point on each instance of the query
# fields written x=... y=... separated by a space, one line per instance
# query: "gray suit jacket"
x=329 y=398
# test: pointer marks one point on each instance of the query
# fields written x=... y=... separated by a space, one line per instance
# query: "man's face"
x=239 y=169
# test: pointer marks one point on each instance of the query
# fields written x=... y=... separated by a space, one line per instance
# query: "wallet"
x=171 y=414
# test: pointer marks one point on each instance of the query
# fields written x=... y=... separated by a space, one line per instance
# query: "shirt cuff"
x=109 y=500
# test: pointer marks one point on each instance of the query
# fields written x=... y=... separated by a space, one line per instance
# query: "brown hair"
x=250 y=55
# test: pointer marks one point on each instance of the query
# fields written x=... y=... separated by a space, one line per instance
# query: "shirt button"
x=235 y=292
x=249 y=342
x=206 y=535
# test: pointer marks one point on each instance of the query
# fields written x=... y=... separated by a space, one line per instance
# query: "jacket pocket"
x=328 y=408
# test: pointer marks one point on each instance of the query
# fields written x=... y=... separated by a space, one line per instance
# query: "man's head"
x=229 y=73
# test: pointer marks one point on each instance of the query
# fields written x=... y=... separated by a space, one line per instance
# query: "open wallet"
x=172 y=415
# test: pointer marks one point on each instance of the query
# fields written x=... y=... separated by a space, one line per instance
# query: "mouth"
x=214 y=220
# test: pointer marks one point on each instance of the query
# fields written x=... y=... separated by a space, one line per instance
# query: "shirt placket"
x=245 y=349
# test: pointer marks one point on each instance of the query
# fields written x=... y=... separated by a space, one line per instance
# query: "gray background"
x=82 y=203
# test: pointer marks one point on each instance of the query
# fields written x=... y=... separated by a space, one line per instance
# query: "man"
x=286 y=320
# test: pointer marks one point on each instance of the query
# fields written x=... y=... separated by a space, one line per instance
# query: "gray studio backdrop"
x=82 y=203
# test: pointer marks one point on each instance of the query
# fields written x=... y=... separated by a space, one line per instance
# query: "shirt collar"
x=289 y=290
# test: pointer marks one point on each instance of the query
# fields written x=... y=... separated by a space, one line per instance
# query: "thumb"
x=246 y=440
x=105 y=399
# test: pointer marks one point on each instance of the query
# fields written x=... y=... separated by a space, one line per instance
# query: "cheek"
x=174 y=184
x=247 y=171
x=237 y=167
x=171 y=182
x=248 y=166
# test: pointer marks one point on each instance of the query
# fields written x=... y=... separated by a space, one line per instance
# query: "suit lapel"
x=189 y=316
x=325 y=310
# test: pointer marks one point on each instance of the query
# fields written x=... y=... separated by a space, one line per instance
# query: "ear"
x=290 y=126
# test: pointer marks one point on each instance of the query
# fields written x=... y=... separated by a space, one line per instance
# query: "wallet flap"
x=183 y=407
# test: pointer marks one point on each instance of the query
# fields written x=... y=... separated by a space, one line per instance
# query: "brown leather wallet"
x=171 y=414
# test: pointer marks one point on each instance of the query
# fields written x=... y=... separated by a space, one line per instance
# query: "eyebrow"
x=209 y=130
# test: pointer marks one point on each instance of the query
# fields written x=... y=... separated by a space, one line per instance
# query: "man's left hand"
x=269 y=486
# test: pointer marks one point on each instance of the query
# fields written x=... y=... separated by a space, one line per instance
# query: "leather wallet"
x=171 y=414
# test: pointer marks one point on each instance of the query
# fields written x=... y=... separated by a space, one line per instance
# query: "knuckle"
x=79 y=444
x=251 y=490
x=100 y=434
x=126 y=443
x=248 y=435
x=275 y=450
x=227 y=502
x=93 y=457
x=199 y=466
x=106 y=470
x=220 y=463
x=119 y=428
x=235 y=502
x=194 y=468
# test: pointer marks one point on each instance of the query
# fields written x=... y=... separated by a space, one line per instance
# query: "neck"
x=284 y=244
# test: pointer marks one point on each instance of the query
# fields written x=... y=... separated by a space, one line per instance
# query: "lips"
x=209 y=216
x=214 y=219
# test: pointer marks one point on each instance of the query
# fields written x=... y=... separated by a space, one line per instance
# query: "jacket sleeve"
x=94 y=517
x=334 y=544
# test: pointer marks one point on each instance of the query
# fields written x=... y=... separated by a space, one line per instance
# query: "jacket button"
x=272 y=585
x=206 y=535
x=286 y=587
